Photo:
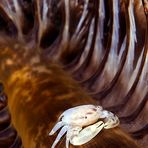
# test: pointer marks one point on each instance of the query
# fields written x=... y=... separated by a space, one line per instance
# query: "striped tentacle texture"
x=8 y=135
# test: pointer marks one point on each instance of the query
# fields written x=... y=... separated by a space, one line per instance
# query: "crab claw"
x=87 y=134
x=111 y=122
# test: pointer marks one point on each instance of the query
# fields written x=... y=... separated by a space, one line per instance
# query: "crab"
x=82 y=123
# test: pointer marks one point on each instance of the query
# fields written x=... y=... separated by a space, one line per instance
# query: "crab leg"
x=67 y=142
x=87 y=133
x=60 y=135
x=56 y=127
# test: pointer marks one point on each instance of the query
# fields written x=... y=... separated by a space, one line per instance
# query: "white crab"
x=82 y=123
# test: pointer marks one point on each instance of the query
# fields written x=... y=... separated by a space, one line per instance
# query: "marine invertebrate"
x=87 y=116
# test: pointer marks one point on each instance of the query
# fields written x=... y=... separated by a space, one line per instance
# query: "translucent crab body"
x=82 y=123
